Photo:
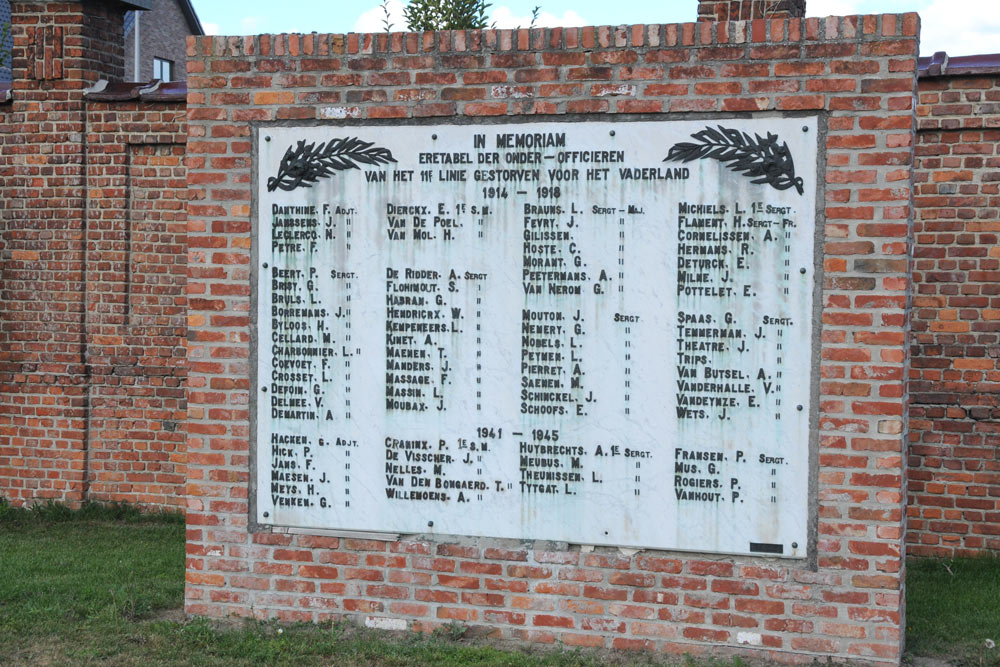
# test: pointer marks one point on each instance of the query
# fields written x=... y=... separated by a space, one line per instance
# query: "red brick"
x=863 y=359
x=548 y=620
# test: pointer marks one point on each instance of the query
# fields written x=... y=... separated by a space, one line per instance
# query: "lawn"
x=953 y=608
x=101 y=587
x=105 y=585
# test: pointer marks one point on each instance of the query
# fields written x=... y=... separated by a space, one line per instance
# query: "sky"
x=960 y=27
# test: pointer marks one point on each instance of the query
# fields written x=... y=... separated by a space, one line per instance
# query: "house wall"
x=163 y=32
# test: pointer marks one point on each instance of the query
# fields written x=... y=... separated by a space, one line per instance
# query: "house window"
x=163 y=69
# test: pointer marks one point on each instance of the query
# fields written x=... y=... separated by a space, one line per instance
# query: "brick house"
x=161 y=31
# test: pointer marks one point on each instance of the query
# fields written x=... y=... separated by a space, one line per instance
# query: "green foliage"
x=451 y=631
x=386 y=23
x=63 y=570
x=534 y=15
x=446 y=14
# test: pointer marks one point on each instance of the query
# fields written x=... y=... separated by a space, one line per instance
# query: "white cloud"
x=834 y=7
x=374 y=19
x=252 y=25
x=969 y=30
x=505 y=18
x=210 y=28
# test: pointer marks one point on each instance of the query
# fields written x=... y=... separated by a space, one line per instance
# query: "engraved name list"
x=590 y=332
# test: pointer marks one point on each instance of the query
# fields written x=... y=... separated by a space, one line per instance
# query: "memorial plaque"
x=592 y=332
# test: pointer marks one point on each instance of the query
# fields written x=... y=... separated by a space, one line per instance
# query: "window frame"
x=161 y=66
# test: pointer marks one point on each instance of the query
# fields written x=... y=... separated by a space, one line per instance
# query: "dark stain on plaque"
x=304 y=164
x=759 y=158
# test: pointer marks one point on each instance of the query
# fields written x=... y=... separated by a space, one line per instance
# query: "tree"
x=446 y=14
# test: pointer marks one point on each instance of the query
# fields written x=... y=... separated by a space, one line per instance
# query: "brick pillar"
x=60 y=49
x=744 y=10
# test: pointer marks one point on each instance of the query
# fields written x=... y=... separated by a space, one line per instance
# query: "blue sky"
x=960 y=27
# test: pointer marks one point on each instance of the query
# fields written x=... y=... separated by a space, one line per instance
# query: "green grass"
x=100 y=586
x=92 y=587
x=953 y=607
x=81 y=575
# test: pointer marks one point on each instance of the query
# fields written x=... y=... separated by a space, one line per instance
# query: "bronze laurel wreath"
x=304 y=164
x=760 y=158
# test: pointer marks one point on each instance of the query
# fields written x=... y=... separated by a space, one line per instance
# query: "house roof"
x=941 y=64
x=194 y=23
x=156 y=91
x=192 y=18
x=137 y=4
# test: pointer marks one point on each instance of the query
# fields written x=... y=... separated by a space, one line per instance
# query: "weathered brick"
x=647 y=600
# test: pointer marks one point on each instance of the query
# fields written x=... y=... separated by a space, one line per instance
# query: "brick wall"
x=136 y=301
x=846 y=602
x=954 y=488
x=91 y=273
x=42 y=370
x=112 y=426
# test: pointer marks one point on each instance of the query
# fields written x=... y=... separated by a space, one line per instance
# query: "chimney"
x=745 y=10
